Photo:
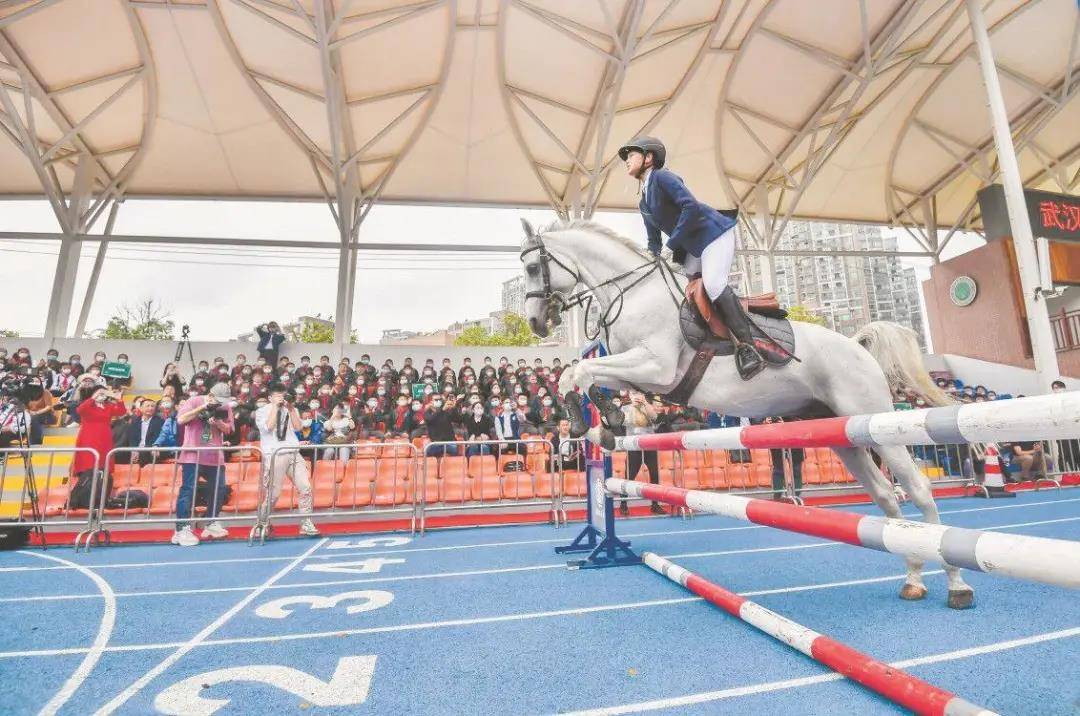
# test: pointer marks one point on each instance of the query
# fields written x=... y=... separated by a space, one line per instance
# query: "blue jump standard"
x=598 y=538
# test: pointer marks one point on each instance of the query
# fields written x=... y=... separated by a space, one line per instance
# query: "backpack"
x=129 y=499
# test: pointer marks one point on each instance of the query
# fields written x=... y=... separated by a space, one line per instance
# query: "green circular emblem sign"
x=963 y=290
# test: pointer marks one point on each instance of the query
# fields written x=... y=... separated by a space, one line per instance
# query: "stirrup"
x=748 y=361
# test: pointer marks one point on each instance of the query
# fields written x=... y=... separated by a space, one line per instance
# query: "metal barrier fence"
x=345 y=479
x=226 y=489
x=454 y=479
x=16 y=490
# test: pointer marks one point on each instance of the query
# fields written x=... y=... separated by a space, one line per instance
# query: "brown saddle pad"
x=764 y=304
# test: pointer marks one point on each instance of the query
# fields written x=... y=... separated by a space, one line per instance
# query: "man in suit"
x=142 y=430
x=703 y=236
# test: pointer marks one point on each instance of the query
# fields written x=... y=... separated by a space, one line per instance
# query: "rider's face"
x=635 y=164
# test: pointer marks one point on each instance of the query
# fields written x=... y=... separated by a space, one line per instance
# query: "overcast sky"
x=224 y=291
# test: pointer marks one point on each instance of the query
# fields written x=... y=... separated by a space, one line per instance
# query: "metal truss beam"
x=622 y=41
x=326 y=30
x=94 y=187
x=778 y=189
x=979 y=159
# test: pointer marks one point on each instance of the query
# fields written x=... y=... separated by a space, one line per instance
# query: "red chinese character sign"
x=1059 y=215
x=1053 y=216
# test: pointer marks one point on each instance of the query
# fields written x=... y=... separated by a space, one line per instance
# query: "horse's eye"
x=532 y=269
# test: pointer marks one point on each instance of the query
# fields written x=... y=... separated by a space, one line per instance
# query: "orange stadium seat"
x=484 y=472
x=454 y=475
x=393 y=481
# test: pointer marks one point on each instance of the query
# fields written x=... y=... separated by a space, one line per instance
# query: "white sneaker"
x=214 y=530
x=308 y=529
x=185 y=537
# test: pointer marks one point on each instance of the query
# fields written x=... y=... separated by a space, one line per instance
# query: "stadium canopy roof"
x=854 y=110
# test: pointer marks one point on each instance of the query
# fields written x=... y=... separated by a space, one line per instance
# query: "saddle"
x=707 y=334
x=763 y=305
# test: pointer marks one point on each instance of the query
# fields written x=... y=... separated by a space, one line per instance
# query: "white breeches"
x=714 y=264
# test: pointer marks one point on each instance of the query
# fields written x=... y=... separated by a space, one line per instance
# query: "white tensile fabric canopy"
x=849 y=110
x=839 y=109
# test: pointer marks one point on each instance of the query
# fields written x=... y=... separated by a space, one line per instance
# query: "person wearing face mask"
x=96 y=413
x=325 y=399
x=507 y=426
x=280 y=428
x=545 y=414
x=308 y=390
x=166 y=437
x=338 y=430
x=399 y=418
x=521 y=409
x=75 y=362
x=64 y=381
x=367 y=420
x=200 y=429
x=440 y=418
x=21 y=358
x=478 y=426
x=416 y=408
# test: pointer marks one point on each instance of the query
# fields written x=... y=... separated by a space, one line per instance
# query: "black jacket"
x=474 y=427
x=440 y=424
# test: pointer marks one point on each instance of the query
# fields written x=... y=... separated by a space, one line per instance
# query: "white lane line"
x=101 y=641
x=122 y=698
x=464 y=573
x=524 y=616
x=753 y=689
x=512 y=543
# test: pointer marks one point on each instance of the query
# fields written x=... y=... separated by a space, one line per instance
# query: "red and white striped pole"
x=1037 y=559
x=892 y=683
x=1041 y=417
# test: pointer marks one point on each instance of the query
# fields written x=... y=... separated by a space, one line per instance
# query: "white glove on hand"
x=665 y=254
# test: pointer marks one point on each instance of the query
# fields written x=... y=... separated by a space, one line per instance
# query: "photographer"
x=96 y=412
x=270 y=340
x=278 y=422
x=440 y=424
x=204 y=421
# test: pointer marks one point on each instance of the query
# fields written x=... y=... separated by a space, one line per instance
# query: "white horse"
x=836 y=375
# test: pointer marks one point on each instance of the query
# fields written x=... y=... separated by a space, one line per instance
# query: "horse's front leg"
x=632 y=367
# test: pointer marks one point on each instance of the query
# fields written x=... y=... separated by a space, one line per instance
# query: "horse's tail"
x=896 y=350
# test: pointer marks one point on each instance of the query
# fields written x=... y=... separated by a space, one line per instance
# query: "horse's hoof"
x=611 y=415
x=961 y=599
x=914 y=592
x=607 y=439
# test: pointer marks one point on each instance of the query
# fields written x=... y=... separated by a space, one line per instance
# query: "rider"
x=704 y=235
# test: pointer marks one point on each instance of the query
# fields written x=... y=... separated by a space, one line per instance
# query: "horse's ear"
x=529 y=231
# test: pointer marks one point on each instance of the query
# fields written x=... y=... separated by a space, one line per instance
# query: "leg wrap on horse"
x=578 y=424
x=609 y=414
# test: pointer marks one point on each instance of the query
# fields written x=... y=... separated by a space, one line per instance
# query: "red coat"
x=95 y=432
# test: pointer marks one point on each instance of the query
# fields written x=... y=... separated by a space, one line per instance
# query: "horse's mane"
x=588 y=225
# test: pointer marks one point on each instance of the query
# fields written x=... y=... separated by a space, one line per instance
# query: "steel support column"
x=95 y=273
x=1027 y=262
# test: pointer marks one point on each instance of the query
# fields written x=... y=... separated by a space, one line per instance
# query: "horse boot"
x=578 y=425
x=611 y=416
x=748 y=360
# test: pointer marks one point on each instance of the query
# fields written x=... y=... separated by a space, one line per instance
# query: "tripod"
x=14 y=406
x=185 y=342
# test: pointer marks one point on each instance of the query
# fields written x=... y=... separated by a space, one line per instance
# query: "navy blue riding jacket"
x=668 y=206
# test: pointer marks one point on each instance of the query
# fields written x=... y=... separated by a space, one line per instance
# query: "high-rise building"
x=848 y=291
x=513 y=301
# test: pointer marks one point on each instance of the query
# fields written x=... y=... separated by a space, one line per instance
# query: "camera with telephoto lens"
x=220 y=411
x=22 y=387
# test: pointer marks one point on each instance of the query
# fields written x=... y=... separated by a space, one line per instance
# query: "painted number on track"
x=367 y=601
x=362 y=566
x=373 y=542
x=348 y=686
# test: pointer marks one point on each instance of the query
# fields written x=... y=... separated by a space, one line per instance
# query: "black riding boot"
x=748 y=360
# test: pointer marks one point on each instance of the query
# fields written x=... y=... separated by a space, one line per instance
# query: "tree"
x=805 y=315
x=515 y=332
x=311 y=332
x=147 y=321
x=8 y=333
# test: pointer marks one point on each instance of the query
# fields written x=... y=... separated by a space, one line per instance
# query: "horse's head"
x=548 y=280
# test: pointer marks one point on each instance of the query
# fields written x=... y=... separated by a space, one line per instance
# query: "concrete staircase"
x=51 y=473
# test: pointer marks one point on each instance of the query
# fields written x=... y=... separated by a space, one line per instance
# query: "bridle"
x=557 y=303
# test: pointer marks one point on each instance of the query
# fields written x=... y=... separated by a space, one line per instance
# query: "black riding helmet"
x=645 y=145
